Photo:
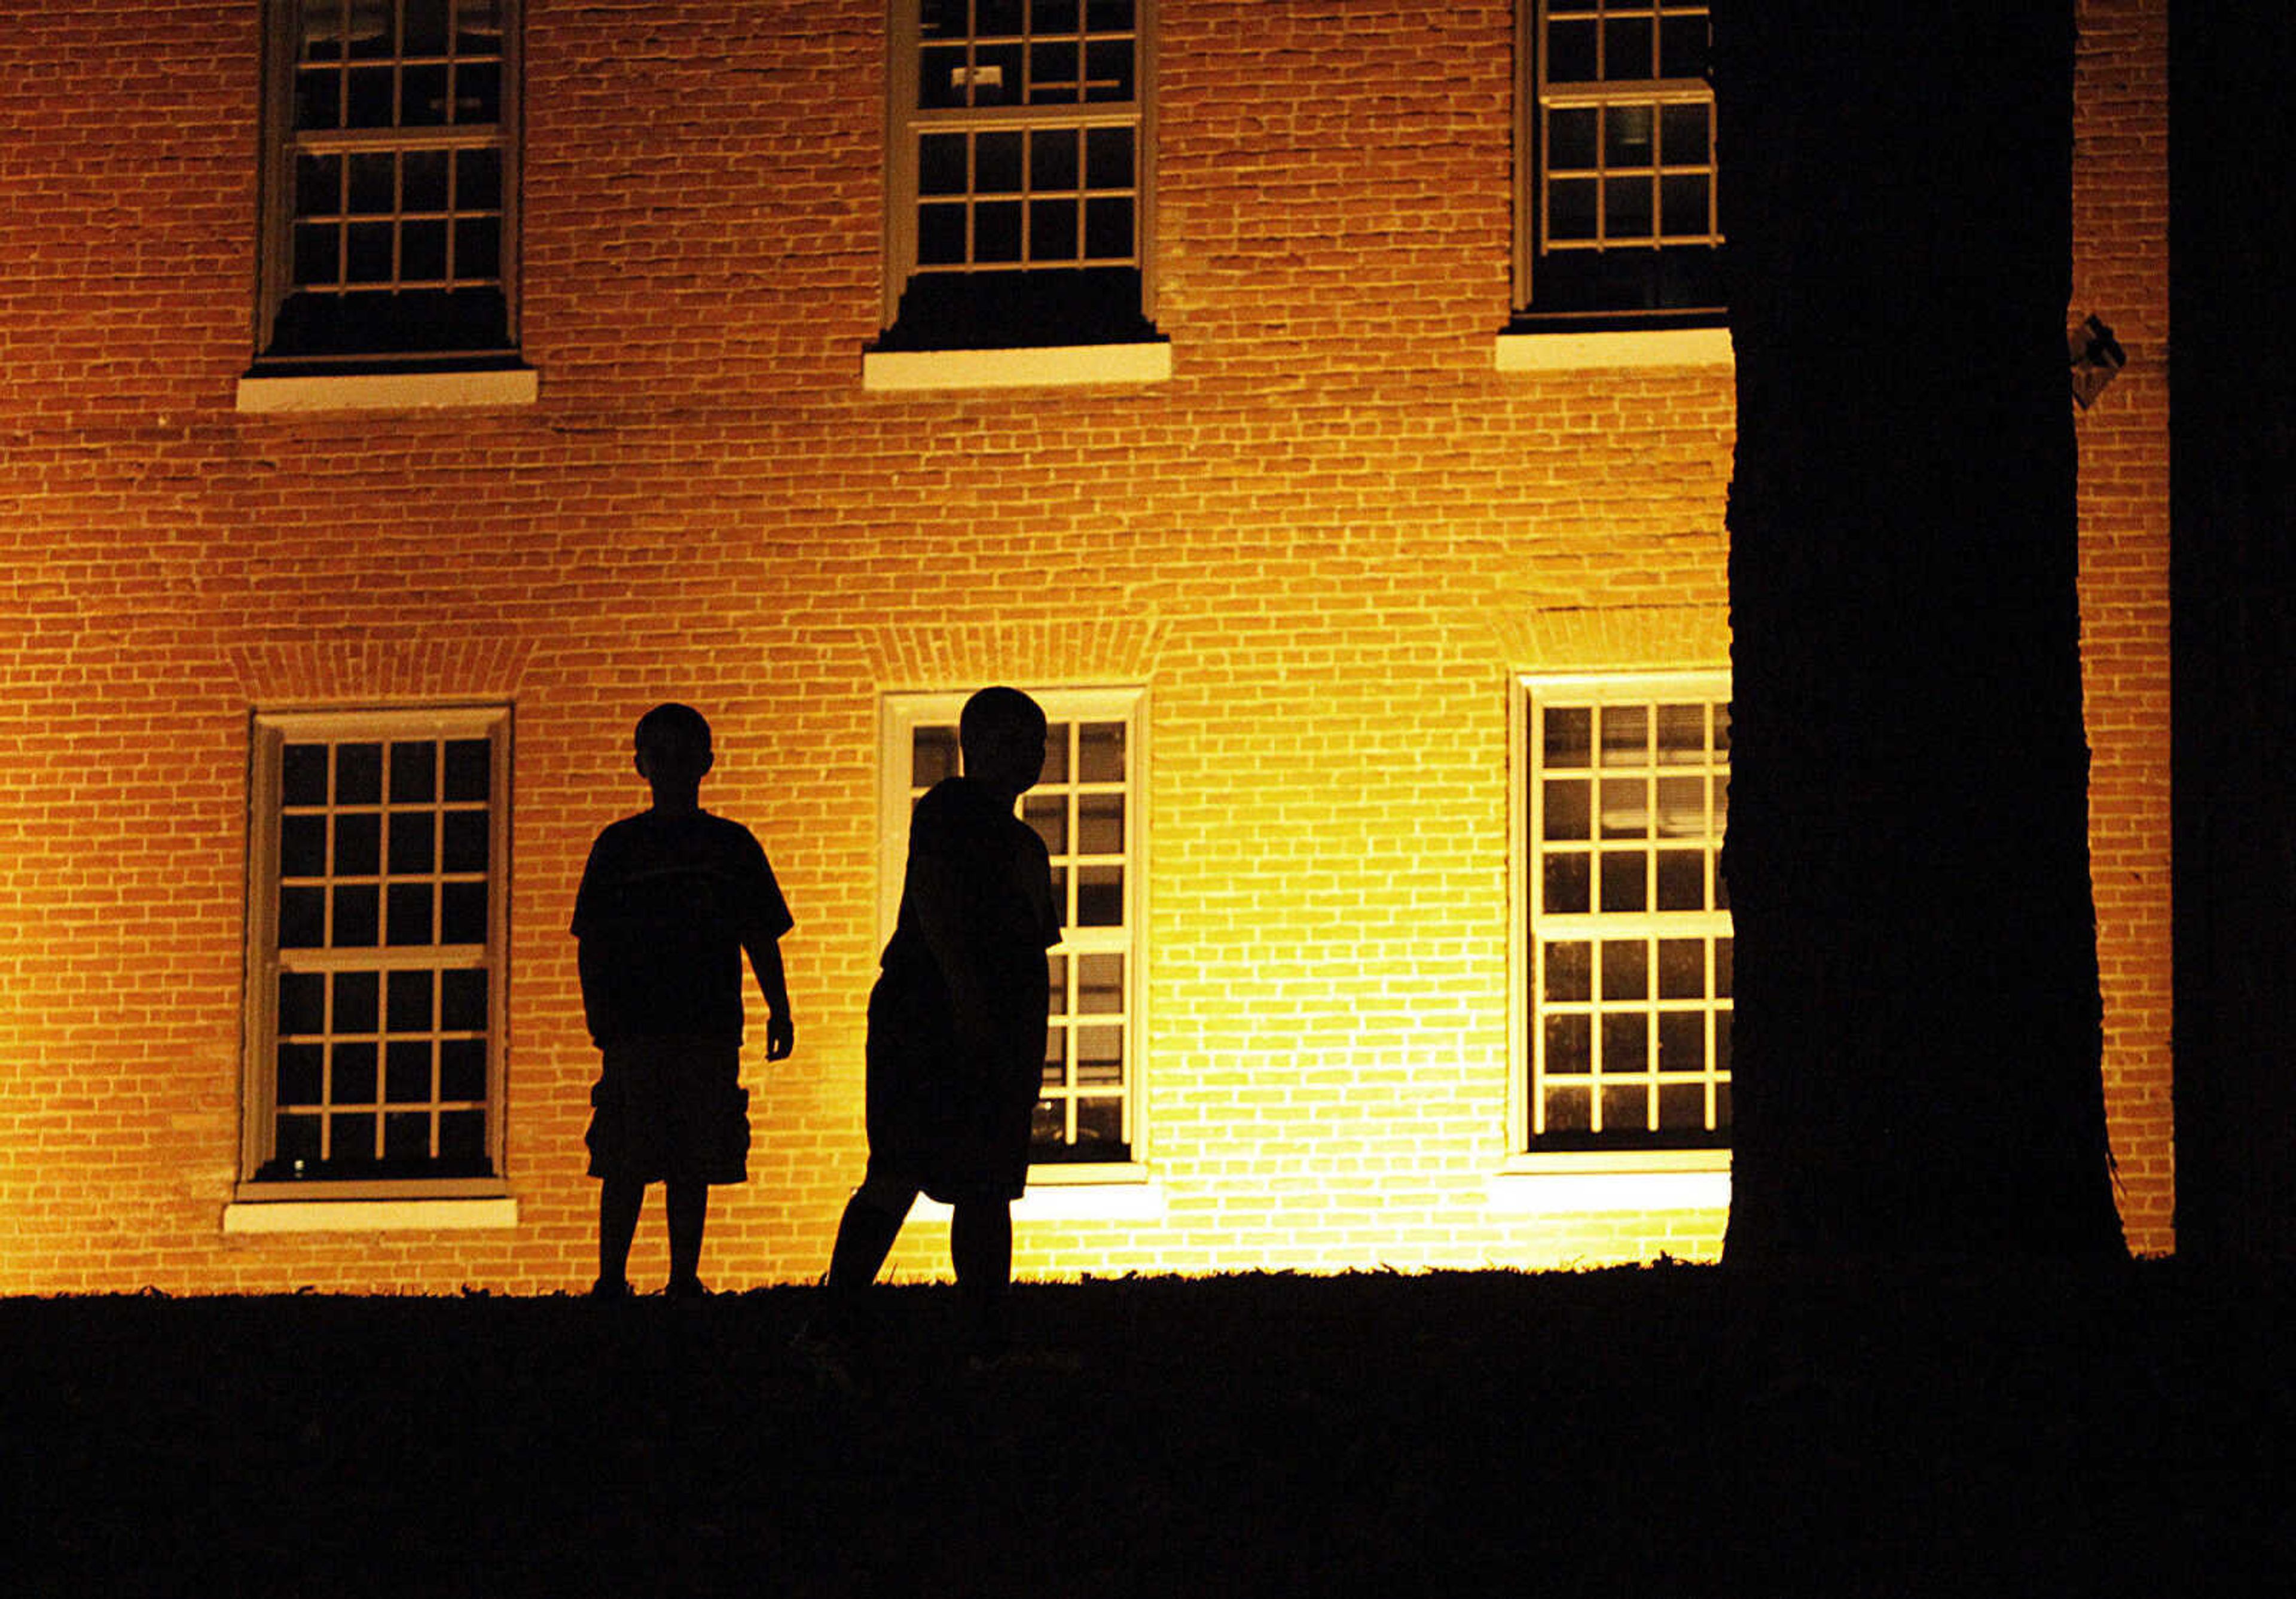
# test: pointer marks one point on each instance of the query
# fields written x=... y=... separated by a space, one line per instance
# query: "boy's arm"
x=772 y=982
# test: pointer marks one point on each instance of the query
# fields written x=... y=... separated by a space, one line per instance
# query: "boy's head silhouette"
x=673 y=753
x=1001 y=731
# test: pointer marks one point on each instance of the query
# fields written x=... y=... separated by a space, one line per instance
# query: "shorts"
x=670 y=1109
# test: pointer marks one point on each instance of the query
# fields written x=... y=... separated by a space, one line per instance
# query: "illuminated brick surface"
x=1328 y=546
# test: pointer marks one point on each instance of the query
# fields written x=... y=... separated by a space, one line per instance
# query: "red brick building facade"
x=1348 y=558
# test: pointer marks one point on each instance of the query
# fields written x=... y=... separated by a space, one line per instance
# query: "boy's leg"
x=688 y=1204
x=872 y=1221
x=619 y=1199
x=980 y=1247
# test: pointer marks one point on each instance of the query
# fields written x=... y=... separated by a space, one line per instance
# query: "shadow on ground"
x=1469 y=1433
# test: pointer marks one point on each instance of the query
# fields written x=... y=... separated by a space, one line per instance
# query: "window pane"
x=1682 y=44
x=1625 y=887
x=1569 y=1046
x=1056 y=753
x=357 y=915
x=1052 y=160
x=1570 y=209
x=1100 y=984
x=1626 y=1108
x=466 y=840
x=996 y=231
x=1627 y=135
x=463 y=913
x=373 y=185
x=1570 y=52
x=1685 y=210
x=1626 y=736
x=1569 y=971
x=1108 y=230
x=302 y=1003
x=357 y=1001
x=996 y=164
x=358 y=845
x=301 y=1072
x=407 y=1071
x=1568 y=812
x=1100 y=896
x=1567 y=1110
x=1568 y=737
x=352 y=1077
x=409 y=1002
x=477 y=182
x=1626 y=1042
x=1681 y=968
x=1684 y=139
x=1052 y=230
x=1629 y=48
x=1682 y=880
x=414 y=836
x=1100 y=752
x=940 y=235
x=1565 y=885
x=1108 y=70
x=1625 y=969
x=1108 y=157
x=1682 y=1043
x=1100 y=825
x=358 y=774
x=422 y=176
x=463 y=1000
x=1628 y=210
x=1571 y=138
x=462 y=1069
x=411 y=905
x=1100 y=1121
x=302 y=846
x=414 y=772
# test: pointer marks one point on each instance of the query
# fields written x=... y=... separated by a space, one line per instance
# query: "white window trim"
x=259 y=1007
x=1626 y=346
x=256 y=1219
x=1090 y=1187
x=1565 y=1185
x=259 y=395
x=1592 y=1179
x=1048 y=366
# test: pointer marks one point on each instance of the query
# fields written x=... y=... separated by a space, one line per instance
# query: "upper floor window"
x=1087 y=808
x=375 y=948
x=391 y=183
x=1617 y=226
x=1624 y=796
x=1017 y=174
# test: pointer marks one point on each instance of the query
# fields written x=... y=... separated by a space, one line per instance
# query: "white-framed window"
x=390 y=191
x=377 y=921
x=1623 y=945
x=1088 y=809
x=1616 y=219
x=1018 y=174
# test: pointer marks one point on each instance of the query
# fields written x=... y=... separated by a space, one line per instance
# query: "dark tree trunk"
x=2233 y=598
x=1918 y=1032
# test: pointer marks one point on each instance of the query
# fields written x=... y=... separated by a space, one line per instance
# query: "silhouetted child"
x=957 y=1024
x=670 y=900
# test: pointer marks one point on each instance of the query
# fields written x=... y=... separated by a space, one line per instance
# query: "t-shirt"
x=667 y=902
x=998 y=869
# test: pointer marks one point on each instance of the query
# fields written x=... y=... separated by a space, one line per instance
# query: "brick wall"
x=1326 y=545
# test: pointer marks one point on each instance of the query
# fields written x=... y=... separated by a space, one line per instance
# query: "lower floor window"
x=1087 y=808
x=375 y=937
x=1625 y=950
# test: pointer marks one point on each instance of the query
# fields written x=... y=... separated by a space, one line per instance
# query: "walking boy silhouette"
x=957 y=1025
x=670 y=900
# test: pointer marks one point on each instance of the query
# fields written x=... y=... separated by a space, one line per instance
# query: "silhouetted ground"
x=1672 y=1430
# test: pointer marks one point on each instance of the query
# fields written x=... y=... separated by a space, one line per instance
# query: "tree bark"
x=1917 y=1022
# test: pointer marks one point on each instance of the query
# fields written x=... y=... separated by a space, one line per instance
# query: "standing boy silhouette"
x=957 y=1024
x=670 y=900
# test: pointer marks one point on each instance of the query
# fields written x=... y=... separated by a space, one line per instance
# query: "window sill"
x=387 y=391
x=1065 y=366
x=1111 y=1193
x=245 y=1217
x=1578 y=1185
x=1629 y=346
